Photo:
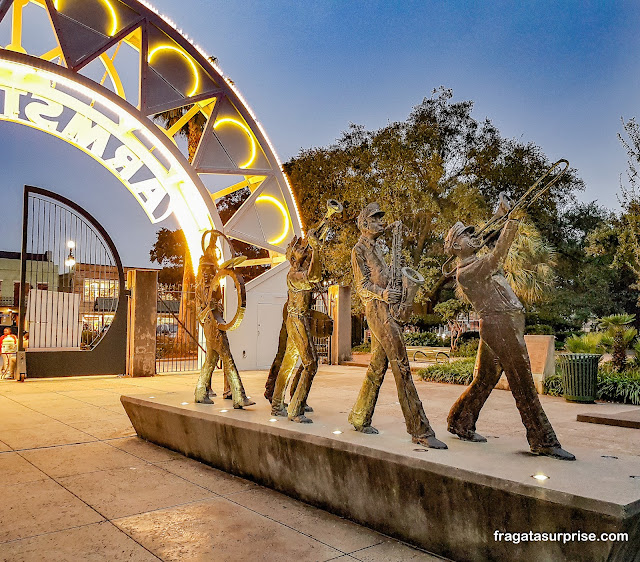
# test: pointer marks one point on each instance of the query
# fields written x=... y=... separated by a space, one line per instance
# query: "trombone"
x=532 y=194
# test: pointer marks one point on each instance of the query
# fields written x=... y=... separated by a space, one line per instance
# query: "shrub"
x=456 y=372
x=469 y=335
x=422 y=338
x=540 y=329
x=590 y=342
x=619 y=387
x=362 y=348
x=618 y=337
x=612 y=385
x=553 y=385
x=468 y=348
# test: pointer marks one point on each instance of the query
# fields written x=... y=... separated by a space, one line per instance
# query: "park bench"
x=431 y=355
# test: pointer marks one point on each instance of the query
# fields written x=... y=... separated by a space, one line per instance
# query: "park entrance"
x=73 y=300
x=117 y=81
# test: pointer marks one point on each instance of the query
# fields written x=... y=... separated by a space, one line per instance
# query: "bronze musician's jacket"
x=371 y=272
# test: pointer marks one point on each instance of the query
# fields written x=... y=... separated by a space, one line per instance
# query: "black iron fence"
x=176 y=330
x=323 y=345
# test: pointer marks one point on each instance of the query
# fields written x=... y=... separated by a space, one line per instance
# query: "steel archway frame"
x=140 y=31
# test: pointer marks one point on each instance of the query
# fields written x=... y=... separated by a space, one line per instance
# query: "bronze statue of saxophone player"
x=210 y=309
x=502 y=346
x=381 y=290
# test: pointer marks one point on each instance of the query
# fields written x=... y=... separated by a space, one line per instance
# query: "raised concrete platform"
x=630 y=418
x=448 y=502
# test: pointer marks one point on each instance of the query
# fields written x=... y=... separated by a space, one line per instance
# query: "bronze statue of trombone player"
x=502 y=346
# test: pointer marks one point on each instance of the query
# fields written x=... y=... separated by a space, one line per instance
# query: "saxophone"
x=404 y=279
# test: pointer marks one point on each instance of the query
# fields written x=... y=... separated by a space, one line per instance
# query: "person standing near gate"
x=9 y=348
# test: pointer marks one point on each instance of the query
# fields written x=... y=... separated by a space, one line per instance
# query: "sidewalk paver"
x=79 y=485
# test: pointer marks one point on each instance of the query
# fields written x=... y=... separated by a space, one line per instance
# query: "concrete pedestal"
x=451 y=502
x=340 y=298
x=541 y=351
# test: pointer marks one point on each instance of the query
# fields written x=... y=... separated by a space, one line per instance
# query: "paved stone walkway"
x=77 y=484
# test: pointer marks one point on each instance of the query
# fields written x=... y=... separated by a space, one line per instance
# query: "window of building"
x=100 y=288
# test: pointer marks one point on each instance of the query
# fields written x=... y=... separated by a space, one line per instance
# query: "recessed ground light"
x=634 y=476
x=540 y=476
x=273 y=420
x=223 y=411
x=184 y=403
x=151 y=396
x=421 y=450
x=608 y=457
x=336 y=432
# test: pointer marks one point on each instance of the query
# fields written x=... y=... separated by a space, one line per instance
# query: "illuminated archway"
x=41 y=90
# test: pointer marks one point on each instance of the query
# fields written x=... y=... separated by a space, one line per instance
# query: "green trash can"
x=579 y=376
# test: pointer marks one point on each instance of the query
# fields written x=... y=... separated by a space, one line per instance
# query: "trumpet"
x=333 y=207
x=530 y=196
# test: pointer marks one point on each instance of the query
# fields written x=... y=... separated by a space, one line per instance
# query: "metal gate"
x=322 y=345
x=176 y=330
x=73 y=302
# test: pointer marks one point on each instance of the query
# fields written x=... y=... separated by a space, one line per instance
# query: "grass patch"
x=362 y=348
x=456 y=372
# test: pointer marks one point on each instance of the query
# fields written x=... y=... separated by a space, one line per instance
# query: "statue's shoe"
x=430 y=442
x=245 y=402
x=203 y=399
x=466 y=435
x=228 y=395
x=308 y=408
x=554 y=452
x=369 y=429
x=282 y=412
x=301 y=419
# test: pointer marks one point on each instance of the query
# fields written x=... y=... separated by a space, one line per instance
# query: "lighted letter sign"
x=121 y=141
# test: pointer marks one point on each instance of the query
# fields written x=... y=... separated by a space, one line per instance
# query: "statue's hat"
x=454 y=233
x=370 y=210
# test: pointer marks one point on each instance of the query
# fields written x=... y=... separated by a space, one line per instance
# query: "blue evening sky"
x=558 y=74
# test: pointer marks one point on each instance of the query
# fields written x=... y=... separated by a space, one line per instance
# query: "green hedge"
x=422 y=338
x=467 y=348
x=456 y=372
x=612 y=386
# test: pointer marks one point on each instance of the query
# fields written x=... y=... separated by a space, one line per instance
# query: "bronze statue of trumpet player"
x=303 y=276
x=387 y=294
x=322 y=231
x=502 y=346
x=210 y=310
